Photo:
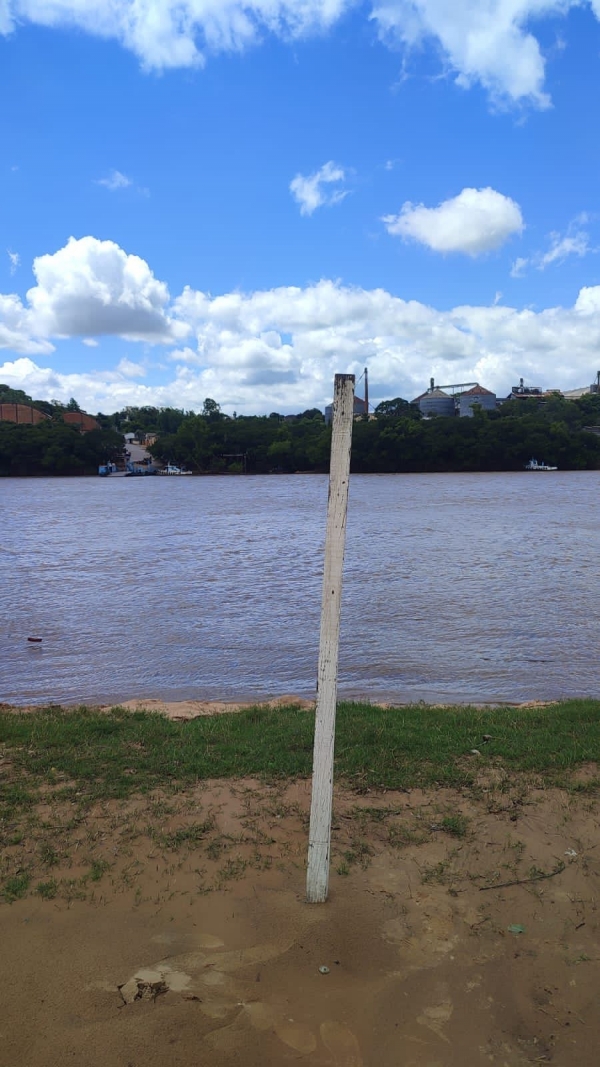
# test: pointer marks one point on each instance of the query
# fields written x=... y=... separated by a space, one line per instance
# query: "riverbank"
x=114 y=752
x=166 y=858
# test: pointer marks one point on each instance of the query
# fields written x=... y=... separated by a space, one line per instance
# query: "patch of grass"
x=400 y=836
x=185 y=835
x=217 y=847
x=391 y=748
x=47 y=890
x=15 y=887
x=73 y=889
x=98 y=869
x=455 y=825
x=48 y=854
x=232 y=869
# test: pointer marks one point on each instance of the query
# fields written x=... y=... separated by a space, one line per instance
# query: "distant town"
x=460 y=426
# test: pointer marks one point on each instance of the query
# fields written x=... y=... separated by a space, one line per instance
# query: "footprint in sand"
x=341 y=1043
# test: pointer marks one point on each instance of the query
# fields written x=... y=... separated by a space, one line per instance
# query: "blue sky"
x=411 y=185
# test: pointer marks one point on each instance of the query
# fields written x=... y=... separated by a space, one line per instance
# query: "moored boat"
x=533 y=465
x=171 y=469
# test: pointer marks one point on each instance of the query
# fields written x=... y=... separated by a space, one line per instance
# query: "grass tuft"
x=15 y=888
x=387 y=748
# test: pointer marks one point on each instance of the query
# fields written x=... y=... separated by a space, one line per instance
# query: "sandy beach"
x=171 y=925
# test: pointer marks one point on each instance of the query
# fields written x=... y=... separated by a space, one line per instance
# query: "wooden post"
x=317 y=881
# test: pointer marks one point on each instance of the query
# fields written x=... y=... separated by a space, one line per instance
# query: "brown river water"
x=458 y=587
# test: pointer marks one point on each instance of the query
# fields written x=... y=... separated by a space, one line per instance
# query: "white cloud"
x=489 y=42
x=574 y=243
x=115 y=180
x=278 y=349
x=474 y=222
x=577 y=244
x=91 y=287
x=588 y=301
x=312 y=191
x=15 y=260
x=17 y=330
x=486 y=41
x=87 y=289
x=178 y=33
x=519 y=267
x=129 y=369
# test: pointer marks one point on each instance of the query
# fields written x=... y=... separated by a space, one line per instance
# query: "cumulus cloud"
x=474 y=222
x=17 y=329
x=312 y=191
x=277 y=349
x=115 y=180
x=574 y=242
x=95 y=390
x=15 y=260
x=93 y=287
x=129 y=369
x=588 y=301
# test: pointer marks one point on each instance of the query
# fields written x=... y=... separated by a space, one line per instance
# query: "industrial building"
x=22 y=413
x=464 y=398
x=575 y=394
x=81 y=420
x=29 y=415
x=476 y=397
x=525 y=392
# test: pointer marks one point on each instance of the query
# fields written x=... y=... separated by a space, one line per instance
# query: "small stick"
x=524 y=881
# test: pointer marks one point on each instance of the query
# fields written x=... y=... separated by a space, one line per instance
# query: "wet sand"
x=178 y=933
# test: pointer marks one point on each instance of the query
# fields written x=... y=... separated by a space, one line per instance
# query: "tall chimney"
x=366 y=391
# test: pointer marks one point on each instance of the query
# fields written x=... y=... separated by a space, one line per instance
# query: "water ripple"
x=457 y=587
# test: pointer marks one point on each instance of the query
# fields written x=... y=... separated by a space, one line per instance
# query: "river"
x=458 y=587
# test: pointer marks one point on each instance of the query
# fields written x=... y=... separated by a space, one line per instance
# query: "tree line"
x=397 y=439
x=52 y=446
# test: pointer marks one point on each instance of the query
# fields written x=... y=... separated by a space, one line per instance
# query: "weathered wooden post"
x=317 y=881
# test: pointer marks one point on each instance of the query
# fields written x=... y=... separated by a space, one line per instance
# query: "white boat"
x=533 y=465
x=173 y=470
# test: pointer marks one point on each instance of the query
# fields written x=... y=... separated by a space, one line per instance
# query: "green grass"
x=97 y=869
x=16 y=887
x=113 y=755
x=186 y=835
x=47 y=890
x=455 y=825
